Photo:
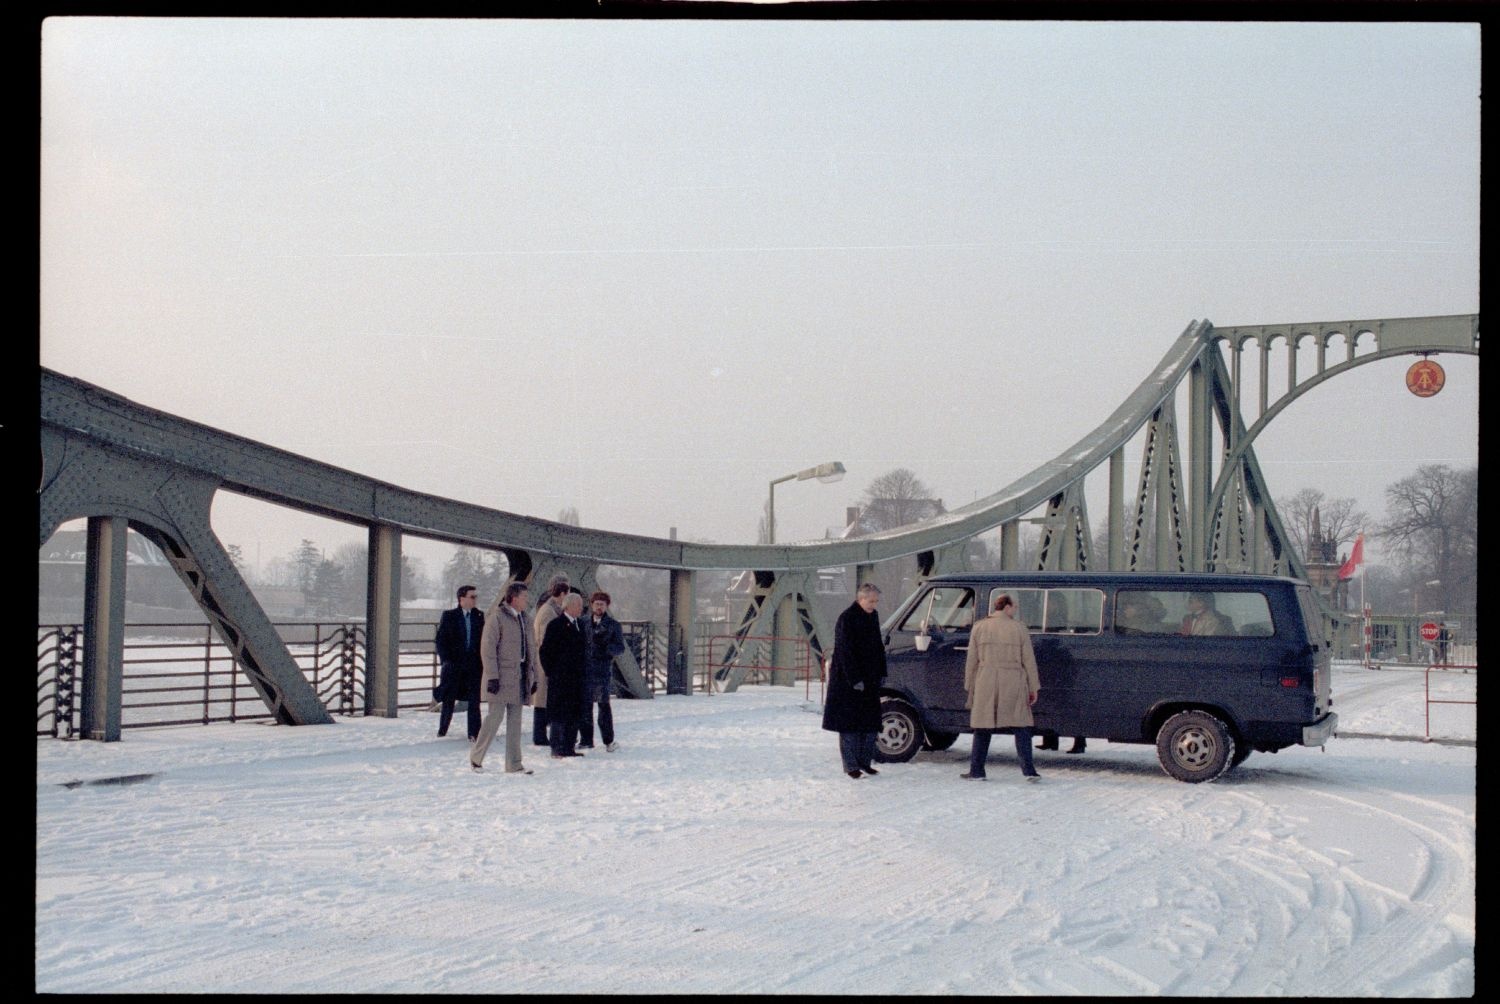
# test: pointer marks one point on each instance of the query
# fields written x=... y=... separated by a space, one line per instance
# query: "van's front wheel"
x=900 y=734
x=1194 y=746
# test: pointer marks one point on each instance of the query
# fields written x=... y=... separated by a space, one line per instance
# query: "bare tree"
x=569 y=516
x=1339 y=522
x=894 y=499
x=1432 y=521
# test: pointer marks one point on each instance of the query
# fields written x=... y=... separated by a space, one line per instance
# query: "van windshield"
x=945 y=608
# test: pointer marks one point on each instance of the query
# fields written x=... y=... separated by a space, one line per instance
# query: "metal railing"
x=752 y=648
x=1430 y=700
x=181 y=674
x=649 y=646
x=59 y=661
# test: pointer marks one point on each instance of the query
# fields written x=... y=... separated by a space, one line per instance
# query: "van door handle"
x=960 y=648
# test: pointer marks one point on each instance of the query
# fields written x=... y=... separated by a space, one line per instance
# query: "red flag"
x=1356 y=558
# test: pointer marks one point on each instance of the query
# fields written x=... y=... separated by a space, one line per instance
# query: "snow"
x=721 y=850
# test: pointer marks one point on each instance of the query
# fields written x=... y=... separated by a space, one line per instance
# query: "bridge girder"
x=105 y=456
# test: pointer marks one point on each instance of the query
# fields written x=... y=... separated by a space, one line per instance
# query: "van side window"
x=1074 y=611
x=1030 y=605
x=1140 y=612
x=946 y=608
x=1216 y=613
x=1055 y=611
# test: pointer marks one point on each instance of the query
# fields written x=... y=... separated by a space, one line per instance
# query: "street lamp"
x=826 y=473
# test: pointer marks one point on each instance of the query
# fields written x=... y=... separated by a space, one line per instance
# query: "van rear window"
x=1221 y=613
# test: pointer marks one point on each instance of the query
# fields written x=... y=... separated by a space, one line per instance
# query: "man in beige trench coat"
x=508 y=682
x=1001 y=680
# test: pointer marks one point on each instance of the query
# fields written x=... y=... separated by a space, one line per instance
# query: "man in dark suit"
x=457 y=645
x=563 y=653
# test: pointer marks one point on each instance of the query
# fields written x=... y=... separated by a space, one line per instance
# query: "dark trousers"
x=981 y=749
x=606 y=722
x=539 y=726
x=562 y=728
x=465 y=688
x=857 y=749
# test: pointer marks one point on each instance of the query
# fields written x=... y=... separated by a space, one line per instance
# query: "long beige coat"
x=999 y=674
x=500 y=651
x=545 y=614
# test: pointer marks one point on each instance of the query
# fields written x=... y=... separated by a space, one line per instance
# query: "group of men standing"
x=560 y=664
x=1000 y=680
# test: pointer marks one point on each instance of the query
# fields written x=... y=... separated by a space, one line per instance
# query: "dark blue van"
x=1206 y=667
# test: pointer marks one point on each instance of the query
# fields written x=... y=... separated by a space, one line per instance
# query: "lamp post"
x=826 y=473
x=781 y=654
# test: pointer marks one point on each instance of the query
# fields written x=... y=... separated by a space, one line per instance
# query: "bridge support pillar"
x=784 y=647
x=680 y=633
x=383 y=623
x=1010 y=546
x=104 y=627
x=1200 y=466
x=1115 y=524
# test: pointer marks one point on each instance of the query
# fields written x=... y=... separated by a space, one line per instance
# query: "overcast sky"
x=644 y=267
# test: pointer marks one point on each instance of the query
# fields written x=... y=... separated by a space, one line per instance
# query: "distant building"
x=1323 y=563
x=149 y=579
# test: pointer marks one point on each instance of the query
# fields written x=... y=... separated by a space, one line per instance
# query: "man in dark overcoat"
x=564 y=655
x=606 y=639
x=852 y=705
x=457 y=644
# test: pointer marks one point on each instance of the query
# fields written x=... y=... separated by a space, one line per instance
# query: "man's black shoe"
x=854 y=774
x=871 y=770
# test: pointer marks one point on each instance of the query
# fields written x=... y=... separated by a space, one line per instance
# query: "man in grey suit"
x=508 y=682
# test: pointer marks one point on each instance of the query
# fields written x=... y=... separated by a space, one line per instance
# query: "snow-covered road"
x=721 y=850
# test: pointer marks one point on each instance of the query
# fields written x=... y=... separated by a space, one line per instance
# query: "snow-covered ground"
x=721 y=850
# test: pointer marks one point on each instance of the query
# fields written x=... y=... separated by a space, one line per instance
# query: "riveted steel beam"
x=170 y=506
x=148 y=452
x=777 y=603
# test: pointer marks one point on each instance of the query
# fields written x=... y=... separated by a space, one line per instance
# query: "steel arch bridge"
x=120 y=465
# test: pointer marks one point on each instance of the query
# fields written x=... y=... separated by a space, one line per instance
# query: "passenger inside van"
x=1139 y=613
x=1203 y=619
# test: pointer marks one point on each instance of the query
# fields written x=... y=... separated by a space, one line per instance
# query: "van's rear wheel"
x=900 y=734
x=940 y=741
x=1194 y=746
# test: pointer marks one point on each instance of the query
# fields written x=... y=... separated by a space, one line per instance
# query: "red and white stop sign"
x=1430 y=631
